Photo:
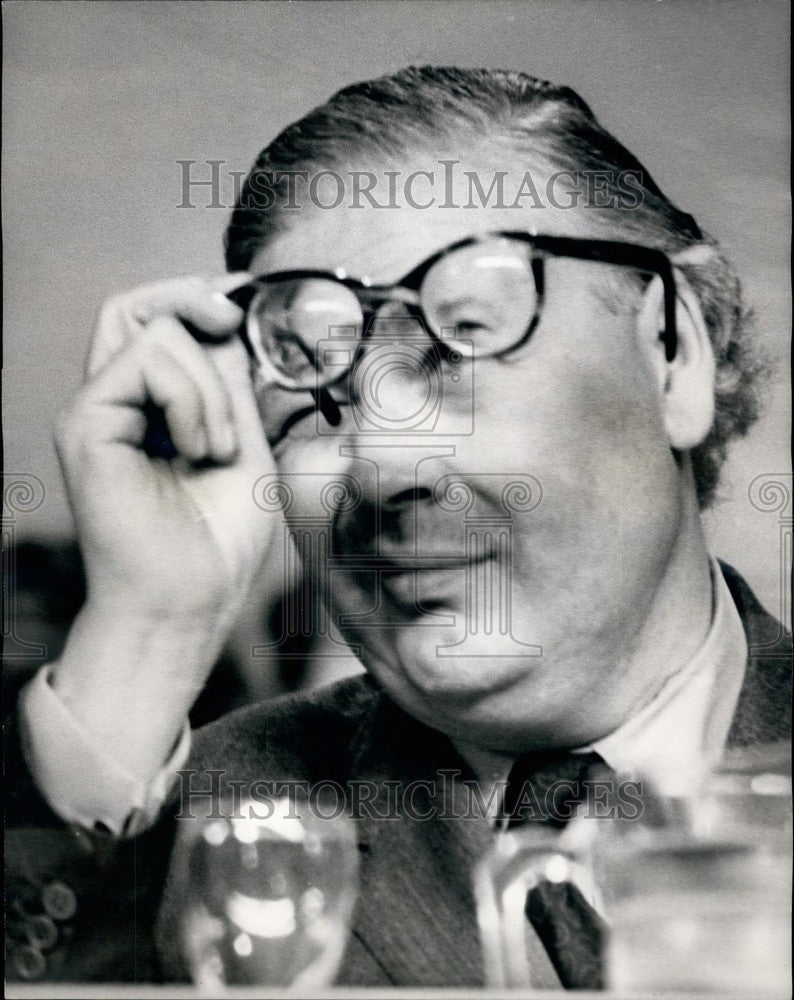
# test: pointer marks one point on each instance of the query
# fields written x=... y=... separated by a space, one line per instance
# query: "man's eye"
x=472 y=325
x=479 y=329
x=291 y=354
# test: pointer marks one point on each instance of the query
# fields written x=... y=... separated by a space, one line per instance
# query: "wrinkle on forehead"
x=386 y=243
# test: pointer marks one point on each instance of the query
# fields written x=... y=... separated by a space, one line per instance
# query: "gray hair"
x=420 y=107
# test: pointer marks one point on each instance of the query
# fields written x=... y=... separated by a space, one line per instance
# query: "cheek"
x=589 y=428
x=567 y=415
x=585 y=391
x=315 y=479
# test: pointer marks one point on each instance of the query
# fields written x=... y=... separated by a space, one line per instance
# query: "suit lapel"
x=416 y=910
x=763 y=713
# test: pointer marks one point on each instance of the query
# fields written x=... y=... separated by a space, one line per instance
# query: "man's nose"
x=408 y=408
x=396 y=505
x=395 y=386
x=393 y=377
x=399 y=511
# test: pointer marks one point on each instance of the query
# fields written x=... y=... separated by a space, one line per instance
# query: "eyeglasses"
x=481 y=297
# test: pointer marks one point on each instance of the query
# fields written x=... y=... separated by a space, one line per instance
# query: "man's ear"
x=686 y=384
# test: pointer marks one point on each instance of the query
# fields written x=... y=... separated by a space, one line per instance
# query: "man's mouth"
x=422 y=590
x=413 y=560
x=421 y=584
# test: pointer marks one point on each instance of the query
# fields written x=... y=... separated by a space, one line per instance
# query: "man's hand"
x=170 y=546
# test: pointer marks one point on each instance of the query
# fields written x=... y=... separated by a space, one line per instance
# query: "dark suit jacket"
x=414 y=922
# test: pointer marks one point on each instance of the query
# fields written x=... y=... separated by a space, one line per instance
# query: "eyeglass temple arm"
x=624 y=255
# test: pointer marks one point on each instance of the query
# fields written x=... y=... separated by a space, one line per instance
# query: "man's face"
x=505 y=619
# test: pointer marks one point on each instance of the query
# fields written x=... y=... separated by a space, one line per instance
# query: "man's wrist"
x=131 y=682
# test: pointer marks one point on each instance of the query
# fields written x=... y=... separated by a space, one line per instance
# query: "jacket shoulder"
x=310 y=734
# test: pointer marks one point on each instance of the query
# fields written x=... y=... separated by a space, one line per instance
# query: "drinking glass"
x=269 y=895
x=705 y=907
x=696 y=892
x=517 y=863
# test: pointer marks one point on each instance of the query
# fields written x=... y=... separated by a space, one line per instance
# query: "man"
x=495 y=421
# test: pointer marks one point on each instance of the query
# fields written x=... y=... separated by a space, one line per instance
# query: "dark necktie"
x=545 y=789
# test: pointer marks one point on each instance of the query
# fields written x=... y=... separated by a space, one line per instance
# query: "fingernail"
x=222 y=302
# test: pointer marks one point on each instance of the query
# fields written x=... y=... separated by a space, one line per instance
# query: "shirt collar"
x=679 y=738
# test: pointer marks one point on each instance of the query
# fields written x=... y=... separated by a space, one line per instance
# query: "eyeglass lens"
x=479 y=299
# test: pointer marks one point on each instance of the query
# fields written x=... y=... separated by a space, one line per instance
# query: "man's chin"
x=429 y=664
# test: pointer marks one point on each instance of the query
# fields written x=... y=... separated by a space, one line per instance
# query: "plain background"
x=102 y=99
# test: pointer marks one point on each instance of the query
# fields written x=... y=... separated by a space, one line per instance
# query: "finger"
x=234 y=367
x=219 y=423
x=191 y=299
x=171 y=388
x=113 y=332
x=93 y=425
x=144 y=372
x=195 y=300
x=121 y=424
x=230 y=282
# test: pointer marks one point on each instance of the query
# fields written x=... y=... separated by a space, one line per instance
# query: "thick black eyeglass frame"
x=371 y=297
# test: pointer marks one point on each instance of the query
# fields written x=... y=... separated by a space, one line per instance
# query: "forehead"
x=384 y=243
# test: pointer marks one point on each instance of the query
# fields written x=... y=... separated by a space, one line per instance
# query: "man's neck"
x=681 y=613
